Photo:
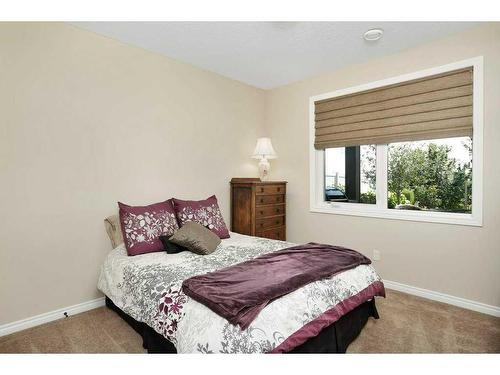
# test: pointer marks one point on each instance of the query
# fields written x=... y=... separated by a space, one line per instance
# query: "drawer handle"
x=261 y=224
x=277 y=221
x=262 y=212
x=279 y=189
x=261 y=190
x=277 y=210
x=261 y=200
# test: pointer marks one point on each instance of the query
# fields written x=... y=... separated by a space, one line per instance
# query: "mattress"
x=148 y=288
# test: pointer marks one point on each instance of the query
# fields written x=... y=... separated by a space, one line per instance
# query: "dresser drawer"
x=269 y=189
x=274 y=234
x=269 y=199
x=272 y=210
x=269 y=222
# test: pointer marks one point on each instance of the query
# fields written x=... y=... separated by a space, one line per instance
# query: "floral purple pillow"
x=143 y=225
x=205 y=212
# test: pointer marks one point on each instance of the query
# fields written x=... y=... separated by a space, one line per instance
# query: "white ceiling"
x=271 y=54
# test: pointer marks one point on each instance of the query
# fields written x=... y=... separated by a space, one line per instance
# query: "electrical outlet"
x=376 y=255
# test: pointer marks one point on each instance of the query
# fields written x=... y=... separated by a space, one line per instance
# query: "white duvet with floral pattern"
x=148 y=288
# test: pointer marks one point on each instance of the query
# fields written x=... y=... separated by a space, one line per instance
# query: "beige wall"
x=86 y=121
x=457 y=260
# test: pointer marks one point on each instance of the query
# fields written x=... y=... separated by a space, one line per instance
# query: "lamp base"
x=264 y=168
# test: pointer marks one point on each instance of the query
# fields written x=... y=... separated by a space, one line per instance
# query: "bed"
x=323 y=316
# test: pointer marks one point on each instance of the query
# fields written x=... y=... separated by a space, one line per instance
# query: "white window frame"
x=380 y=209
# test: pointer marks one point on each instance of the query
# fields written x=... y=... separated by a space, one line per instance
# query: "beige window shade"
x=438 y=106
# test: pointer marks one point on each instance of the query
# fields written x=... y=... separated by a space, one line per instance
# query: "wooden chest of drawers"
x=258 y=208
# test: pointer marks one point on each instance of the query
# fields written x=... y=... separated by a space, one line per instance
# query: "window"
x=420 y=178
x=350 y=174
x=431 y=175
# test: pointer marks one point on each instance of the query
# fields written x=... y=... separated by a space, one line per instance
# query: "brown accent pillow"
x=196 y=238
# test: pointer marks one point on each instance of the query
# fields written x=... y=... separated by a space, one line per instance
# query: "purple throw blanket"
x=238 y=293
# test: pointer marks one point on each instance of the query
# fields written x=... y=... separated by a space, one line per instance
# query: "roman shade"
x=438 y=106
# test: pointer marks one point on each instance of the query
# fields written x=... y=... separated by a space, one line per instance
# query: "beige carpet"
x=407 y=324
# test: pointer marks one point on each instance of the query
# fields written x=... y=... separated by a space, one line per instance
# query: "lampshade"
x=264 y=148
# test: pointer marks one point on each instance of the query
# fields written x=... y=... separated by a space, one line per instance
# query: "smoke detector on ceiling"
x=373 y=35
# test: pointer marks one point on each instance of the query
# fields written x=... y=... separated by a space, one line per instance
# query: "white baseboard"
x=37 y=320
x=445 y=298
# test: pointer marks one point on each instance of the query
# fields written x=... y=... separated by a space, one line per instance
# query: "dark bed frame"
x=333 y=339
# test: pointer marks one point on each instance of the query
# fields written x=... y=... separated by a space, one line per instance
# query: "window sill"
x=367 y=210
